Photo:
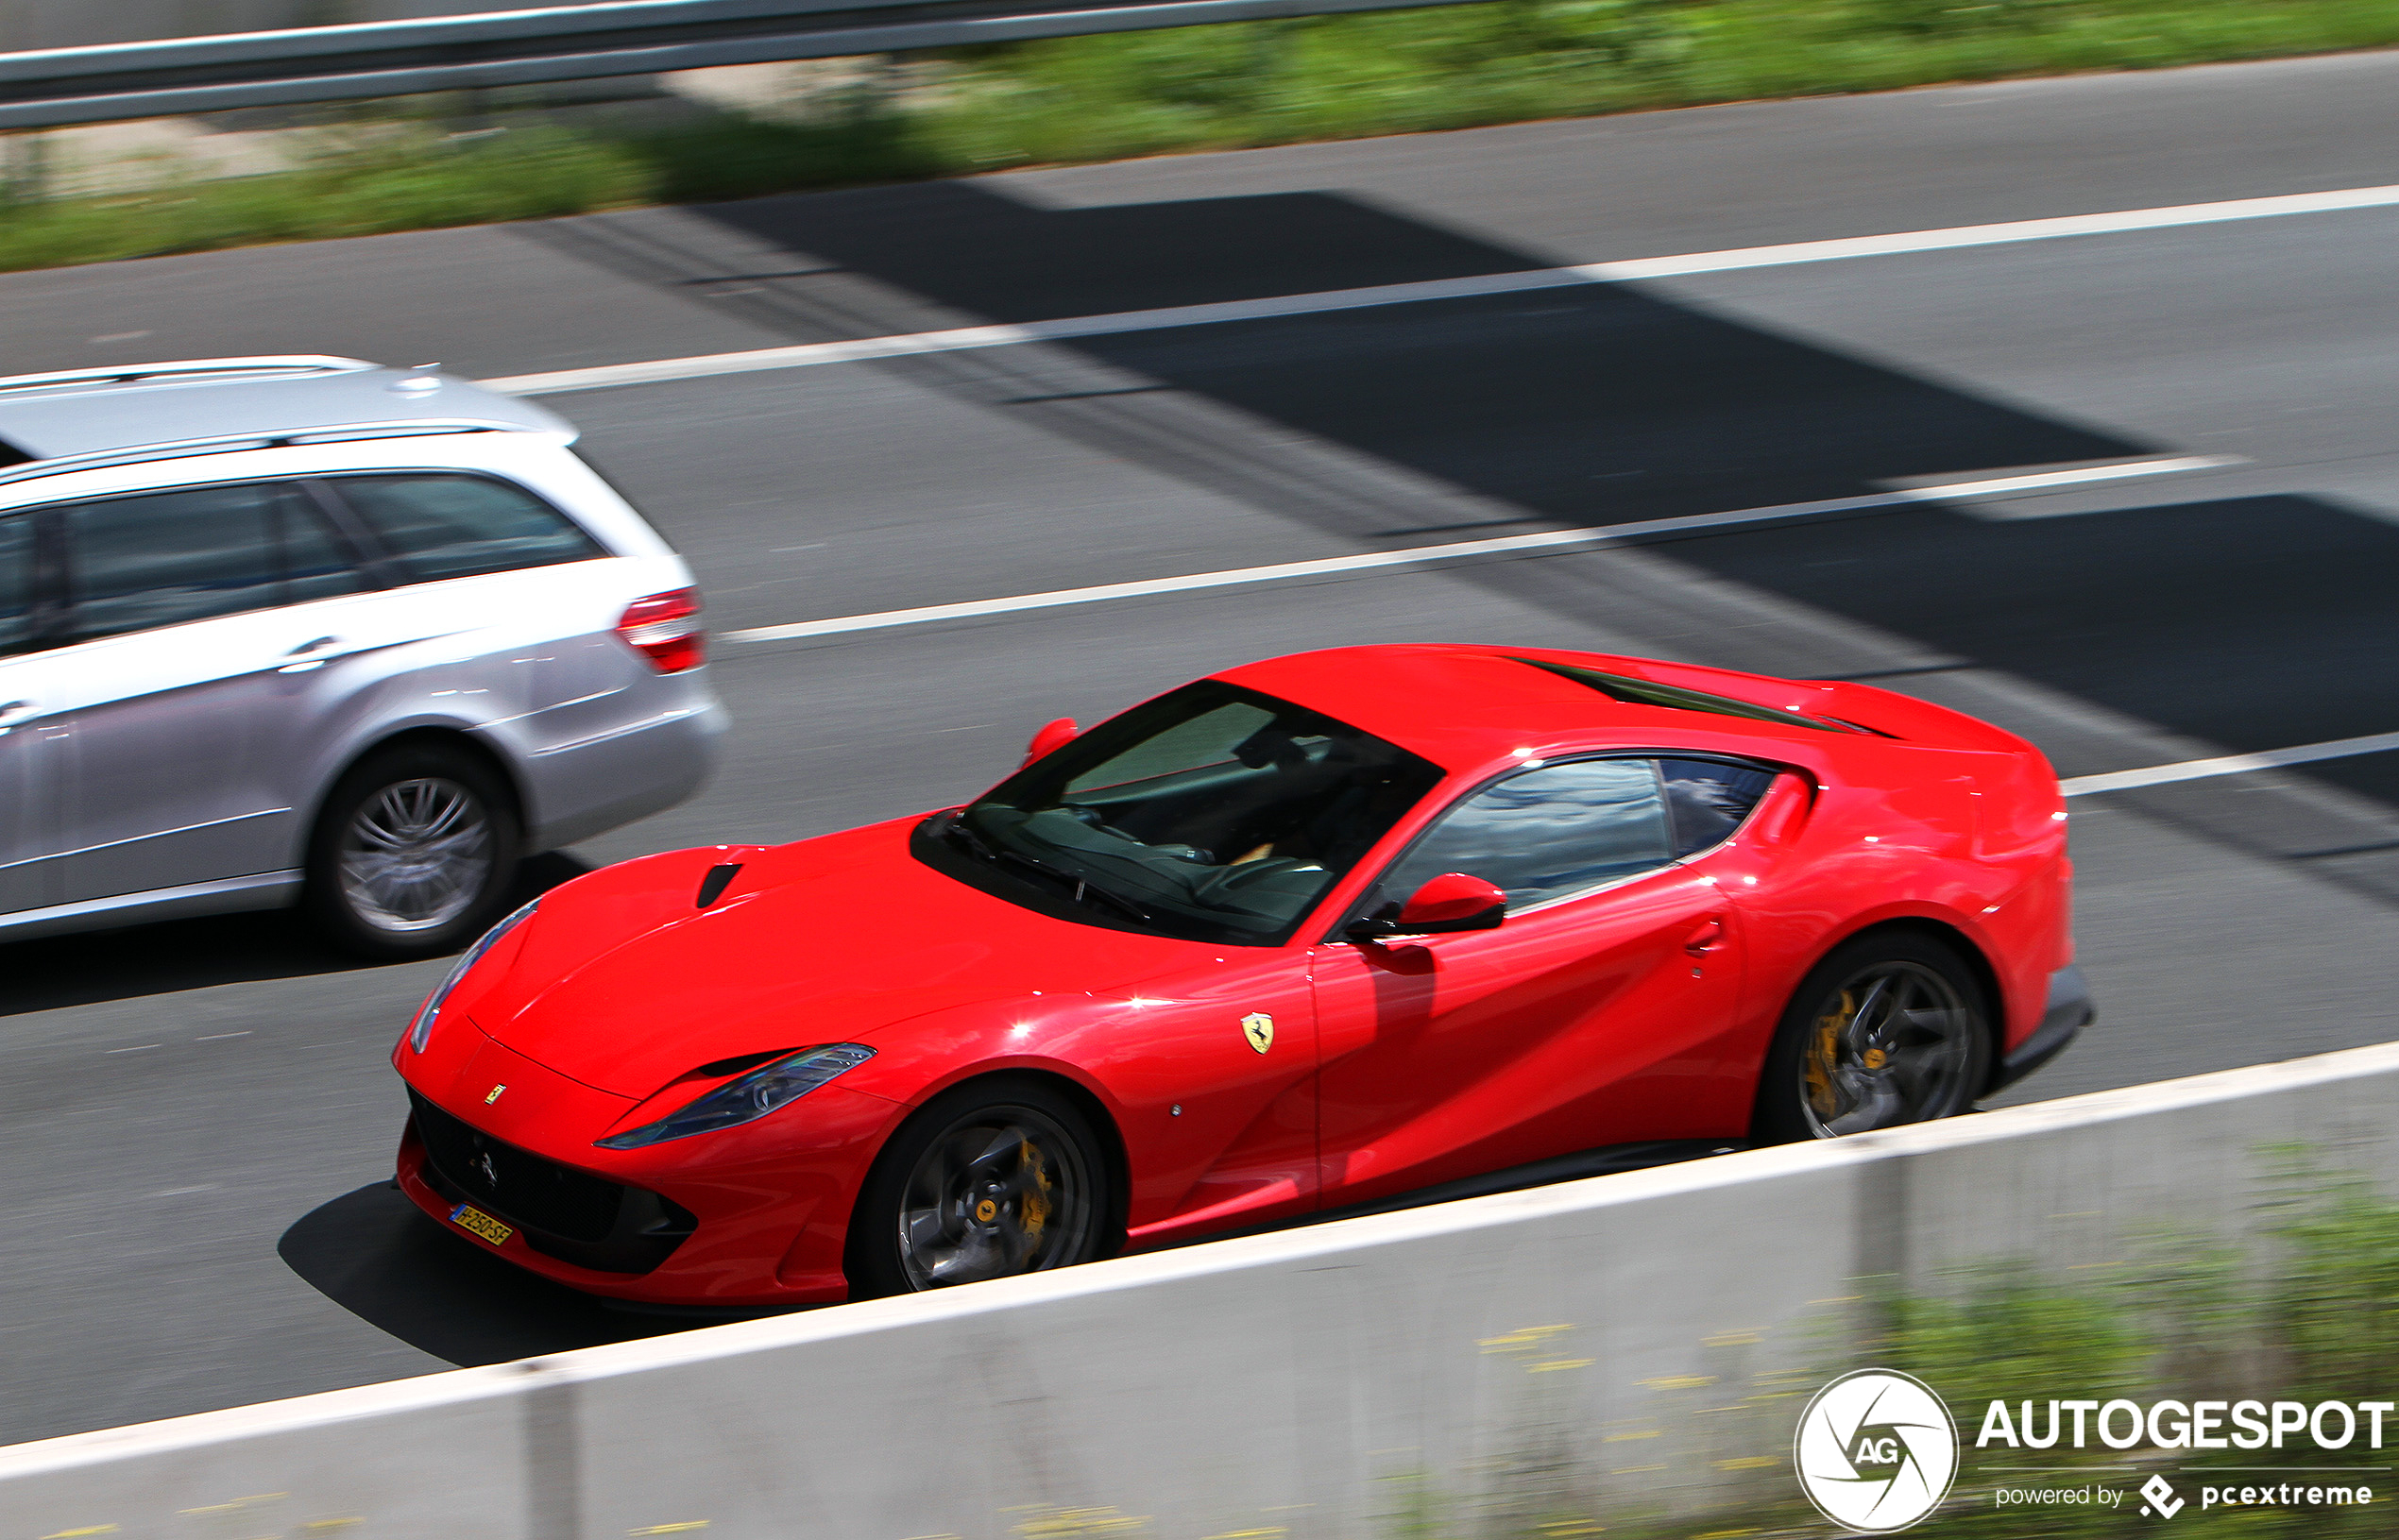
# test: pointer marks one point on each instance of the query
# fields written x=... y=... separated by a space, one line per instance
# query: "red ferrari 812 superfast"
x=1309 y=935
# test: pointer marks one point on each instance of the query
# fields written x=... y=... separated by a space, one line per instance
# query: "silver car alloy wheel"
x=416 y=855
x=1004 y=1191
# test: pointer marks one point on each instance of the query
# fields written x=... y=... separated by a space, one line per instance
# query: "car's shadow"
x=94 y=967
x=376 y=1255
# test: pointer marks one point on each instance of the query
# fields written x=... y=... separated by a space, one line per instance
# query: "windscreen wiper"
x=1085 y=887
x=974 y=842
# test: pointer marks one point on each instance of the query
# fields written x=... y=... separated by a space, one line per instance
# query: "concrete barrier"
x=1620 y=1345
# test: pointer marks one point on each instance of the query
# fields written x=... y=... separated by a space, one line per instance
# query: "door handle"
x=15 y=708
x=307 y=662
x=1703 y=939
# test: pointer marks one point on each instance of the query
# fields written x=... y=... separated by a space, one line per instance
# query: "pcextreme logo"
x=1877 y=1450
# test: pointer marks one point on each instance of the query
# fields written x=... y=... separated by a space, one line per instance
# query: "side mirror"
x=1050 y=738
x=1450 y=902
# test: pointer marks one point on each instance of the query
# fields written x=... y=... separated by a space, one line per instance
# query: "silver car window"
x=165 y=558
x=442 y=526
x=16 y=582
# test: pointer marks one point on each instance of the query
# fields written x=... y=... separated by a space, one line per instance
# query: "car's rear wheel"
x=1891 y=1028
x=413 y=854
x=994 y=1179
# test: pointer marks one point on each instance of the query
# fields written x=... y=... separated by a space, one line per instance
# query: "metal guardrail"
x=54 y=87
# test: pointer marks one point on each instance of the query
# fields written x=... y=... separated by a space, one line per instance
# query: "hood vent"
x=712 y=886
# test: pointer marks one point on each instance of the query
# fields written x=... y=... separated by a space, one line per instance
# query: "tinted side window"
x=445 y=526
x=1708 y=798
x=16 y=582
x=168 y=557
x=1545 y=833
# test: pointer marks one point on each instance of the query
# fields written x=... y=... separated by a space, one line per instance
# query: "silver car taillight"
x=665 y=629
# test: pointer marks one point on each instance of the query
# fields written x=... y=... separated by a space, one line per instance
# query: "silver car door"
x=178 y=632
x=27 y=826
x=518 y=595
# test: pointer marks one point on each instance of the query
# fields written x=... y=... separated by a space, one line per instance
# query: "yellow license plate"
x=467 y=1217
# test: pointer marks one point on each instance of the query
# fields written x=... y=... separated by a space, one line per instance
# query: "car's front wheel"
x=1891 y=1028
x=413 y=854
x=993 y=1179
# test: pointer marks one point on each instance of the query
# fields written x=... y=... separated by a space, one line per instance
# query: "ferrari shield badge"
x=1259 y=1028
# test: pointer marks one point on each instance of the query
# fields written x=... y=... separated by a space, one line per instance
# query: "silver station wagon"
x=313 y=631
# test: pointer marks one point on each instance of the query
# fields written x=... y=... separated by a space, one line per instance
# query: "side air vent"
x=712 y=886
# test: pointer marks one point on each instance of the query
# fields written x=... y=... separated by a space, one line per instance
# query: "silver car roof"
x=114 y=411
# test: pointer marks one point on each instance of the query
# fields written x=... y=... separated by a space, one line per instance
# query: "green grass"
x=1081 y=99
x=2312 y=1313
x=2313 y=1316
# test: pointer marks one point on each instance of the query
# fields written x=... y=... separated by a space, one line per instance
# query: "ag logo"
x=1259 y=1028
x=1876 y=1450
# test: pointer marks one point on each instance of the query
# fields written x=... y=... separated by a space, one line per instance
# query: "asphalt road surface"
x=193 y=1117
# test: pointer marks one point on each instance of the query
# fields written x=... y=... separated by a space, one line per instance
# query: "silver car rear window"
x=446 y=525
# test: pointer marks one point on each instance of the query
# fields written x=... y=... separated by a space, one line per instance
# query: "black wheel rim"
x=1004 y=1191
x=1893 y=1044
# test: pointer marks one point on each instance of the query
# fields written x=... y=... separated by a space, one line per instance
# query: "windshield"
x=1212 y=813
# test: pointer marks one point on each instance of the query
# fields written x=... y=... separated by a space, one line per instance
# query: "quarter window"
x=1708 y=798
x=451 y=526
x=1546 y=833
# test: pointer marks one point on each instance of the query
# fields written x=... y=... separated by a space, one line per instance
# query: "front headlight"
x=420 y=1030
x=752 y=1096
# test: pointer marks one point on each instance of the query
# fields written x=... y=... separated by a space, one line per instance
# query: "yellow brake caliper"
x=1825 y=1051
x=1033 y=1209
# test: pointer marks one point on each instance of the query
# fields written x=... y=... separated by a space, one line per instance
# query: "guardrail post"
x=1879 y=1242
x=25 y=170
x=554 y=1460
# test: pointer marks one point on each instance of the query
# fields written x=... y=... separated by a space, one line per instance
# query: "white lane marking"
x=1691 y=264
x=1502 y=545
x=2201 y=769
